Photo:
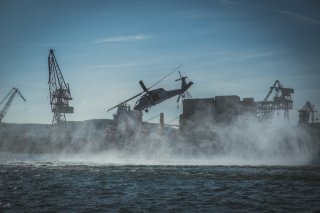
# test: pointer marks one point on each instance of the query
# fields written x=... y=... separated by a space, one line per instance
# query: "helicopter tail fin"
x=187 y=86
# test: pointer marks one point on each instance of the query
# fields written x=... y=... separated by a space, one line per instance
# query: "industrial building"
x=218 y=109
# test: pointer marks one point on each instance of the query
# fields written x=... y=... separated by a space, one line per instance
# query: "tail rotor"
x=184 y=87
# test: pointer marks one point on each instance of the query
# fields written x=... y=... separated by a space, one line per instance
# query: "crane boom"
x=11 y=96
x=59 y=91
x=274 y=87
x=282 y=100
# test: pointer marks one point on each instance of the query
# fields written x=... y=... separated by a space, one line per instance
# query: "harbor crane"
x=282 y=100
x=59 y=92
x=305 y=112
x=9 y=97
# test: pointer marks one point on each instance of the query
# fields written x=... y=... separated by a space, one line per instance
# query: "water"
x=247 y=166
x=34 y=183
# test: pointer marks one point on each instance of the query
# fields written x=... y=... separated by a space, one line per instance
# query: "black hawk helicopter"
x=156 y=96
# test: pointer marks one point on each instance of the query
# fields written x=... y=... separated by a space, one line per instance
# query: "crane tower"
x=282 y=100
x=59 y=92
x=9 y=97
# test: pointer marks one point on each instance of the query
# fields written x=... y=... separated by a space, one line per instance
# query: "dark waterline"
x=58 y=186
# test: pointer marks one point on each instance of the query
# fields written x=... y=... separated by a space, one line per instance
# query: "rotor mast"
x=184 y=86
x=11 y=96
x=59 y=91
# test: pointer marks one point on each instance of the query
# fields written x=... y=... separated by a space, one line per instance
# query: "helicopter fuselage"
x=154 y=97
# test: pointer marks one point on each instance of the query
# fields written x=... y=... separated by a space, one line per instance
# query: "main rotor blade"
x=126 y=101
x=165 y=76
x=143 y=86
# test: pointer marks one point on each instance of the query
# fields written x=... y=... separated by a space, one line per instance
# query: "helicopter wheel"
x=146 y=110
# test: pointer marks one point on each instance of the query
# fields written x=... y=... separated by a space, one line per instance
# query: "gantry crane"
x=59 y=91
x=282 y=100
x=305 y=112
x=10 y=96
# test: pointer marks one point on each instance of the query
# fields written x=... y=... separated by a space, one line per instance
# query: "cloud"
x=122 y=38
x=114 y=66
x=285 y=12
x=301 y=17
x=195 y=14
x=256 y=55
x=33 y=84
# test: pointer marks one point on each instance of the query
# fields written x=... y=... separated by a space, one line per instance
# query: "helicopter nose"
x=136 y=107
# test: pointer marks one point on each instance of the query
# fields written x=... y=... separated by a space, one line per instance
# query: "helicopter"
x=153 y=97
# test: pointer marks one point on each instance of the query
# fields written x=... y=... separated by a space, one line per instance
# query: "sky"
x=104 y=47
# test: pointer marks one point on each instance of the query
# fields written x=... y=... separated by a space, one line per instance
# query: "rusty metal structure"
x=59 y=92
x=282 y=100
x=9 y=97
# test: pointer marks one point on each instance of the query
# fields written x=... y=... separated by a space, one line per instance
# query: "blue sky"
x=104 y=48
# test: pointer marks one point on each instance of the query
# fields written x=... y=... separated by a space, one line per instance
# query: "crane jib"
x=9 y=97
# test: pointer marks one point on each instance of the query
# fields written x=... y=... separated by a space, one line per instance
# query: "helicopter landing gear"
x=146 y=110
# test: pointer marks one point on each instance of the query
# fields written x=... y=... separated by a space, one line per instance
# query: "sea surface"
x=41 y=185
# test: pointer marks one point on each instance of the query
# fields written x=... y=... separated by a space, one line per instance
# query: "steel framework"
x=282 y=100
x=10 y=96
x=59 y=91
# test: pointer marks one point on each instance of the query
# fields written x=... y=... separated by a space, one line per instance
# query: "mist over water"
x=245 y=141
x=247 y=165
